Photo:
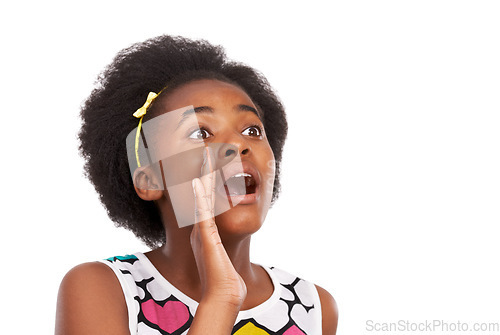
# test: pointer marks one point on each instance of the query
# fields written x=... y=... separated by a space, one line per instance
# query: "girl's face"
x=224 y=114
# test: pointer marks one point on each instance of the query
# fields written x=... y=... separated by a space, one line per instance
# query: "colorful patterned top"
x=157 y=307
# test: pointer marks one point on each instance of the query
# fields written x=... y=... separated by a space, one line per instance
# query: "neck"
x=176 y=257
x=178 y=251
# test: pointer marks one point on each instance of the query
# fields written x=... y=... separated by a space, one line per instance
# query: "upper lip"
x=234 y=168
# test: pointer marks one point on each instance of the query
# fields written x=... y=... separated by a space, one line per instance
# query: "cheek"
x=270 y=171
x=178 y=172
x=182 y=201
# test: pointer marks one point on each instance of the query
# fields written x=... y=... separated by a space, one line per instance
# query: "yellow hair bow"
x=142 y=111
x=140 y=114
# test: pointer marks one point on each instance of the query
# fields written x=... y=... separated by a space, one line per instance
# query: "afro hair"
x=121 y=89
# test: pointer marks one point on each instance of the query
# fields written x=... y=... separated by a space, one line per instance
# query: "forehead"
x=207 y=92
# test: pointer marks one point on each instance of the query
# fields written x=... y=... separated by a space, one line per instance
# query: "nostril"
x=230 y=152
x=244 y=151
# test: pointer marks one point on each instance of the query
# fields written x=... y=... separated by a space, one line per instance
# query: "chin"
x=238 y=222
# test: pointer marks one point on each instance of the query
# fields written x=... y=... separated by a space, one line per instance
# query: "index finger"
x=208 y=176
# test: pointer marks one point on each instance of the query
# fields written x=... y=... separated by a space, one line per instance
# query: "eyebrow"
x=246 y=108
x=208 y=109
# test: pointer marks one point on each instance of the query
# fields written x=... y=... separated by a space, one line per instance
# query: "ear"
x=146 y=184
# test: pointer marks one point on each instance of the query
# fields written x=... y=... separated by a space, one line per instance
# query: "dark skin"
x=235 y=226
x=208 y=261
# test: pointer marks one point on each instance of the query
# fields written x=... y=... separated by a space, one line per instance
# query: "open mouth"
x=240 y=184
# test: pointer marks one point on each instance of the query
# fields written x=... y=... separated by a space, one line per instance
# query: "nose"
x=230 y=149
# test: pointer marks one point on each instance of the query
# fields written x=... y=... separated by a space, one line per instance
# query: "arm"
x=91 y=301
x=329 y=311
x=223 y=290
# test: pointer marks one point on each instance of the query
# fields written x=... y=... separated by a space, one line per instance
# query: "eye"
x=199 y=134
x=254 y=131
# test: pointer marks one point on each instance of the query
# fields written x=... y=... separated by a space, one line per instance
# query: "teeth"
x=242 y=175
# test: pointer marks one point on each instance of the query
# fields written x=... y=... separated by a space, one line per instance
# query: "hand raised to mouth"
x=223 y=289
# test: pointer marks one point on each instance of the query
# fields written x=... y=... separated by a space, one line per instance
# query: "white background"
x=391 y=182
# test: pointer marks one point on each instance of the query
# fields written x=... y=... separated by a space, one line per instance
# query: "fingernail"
x=194 y=189
x=208 y=157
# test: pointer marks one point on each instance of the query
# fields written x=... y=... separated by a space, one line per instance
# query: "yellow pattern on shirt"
x=250 y=329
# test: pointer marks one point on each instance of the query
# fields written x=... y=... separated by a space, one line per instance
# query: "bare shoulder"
x=329 y=311
x=91 y=301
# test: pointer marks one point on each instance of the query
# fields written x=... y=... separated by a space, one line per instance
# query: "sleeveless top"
x=156 y=307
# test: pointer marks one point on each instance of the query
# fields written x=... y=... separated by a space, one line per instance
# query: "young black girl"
x=198 y=278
